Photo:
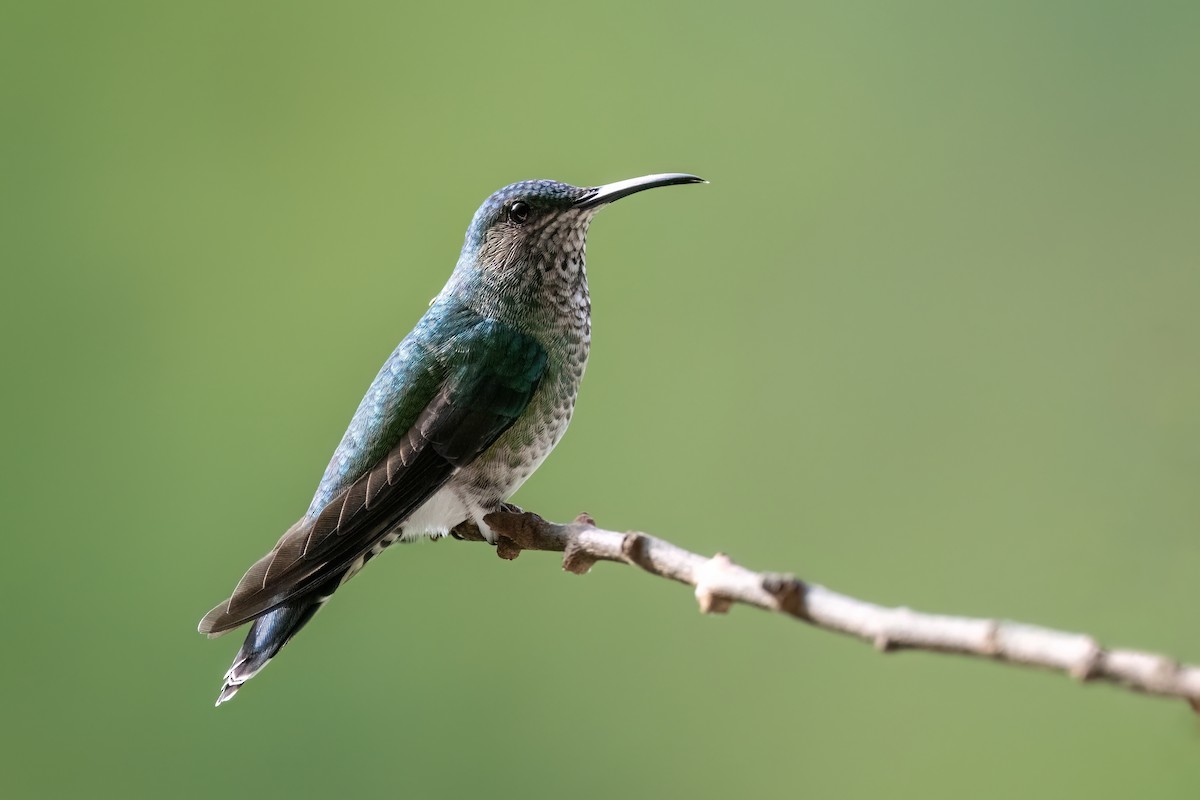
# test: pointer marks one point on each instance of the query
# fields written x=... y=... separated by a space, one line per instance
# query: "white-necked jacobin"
x=462 y=412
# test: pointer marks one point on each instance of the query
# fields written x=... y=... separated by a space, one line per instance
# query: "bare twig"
x=719 y=583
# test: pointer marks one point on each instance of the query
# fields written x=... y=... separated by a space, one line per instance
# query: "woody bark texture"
x=719 y=583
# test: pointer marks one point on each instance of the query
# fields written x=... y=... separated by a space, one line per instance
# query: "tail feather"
x=268 y=634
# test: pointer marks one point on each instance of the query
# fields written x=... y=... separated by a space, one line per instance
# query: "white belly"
x=438 y=515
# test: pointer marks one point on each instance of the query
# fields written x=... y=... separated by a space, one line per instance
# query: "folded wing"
x=492 y=372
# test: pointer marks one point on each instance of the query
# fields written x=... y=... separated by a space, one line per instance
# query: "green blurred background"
x=929 y=337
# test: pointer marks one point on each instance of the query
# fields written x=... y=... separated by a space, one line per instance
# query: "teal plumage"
x=461 y=413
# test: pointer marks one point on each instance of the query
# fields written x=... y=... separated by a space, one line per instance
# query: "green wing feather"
x=484 y=378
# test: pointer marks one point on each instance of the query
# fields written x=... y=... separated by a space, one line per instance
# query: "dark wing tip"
x=211 y=624
x=250 y=599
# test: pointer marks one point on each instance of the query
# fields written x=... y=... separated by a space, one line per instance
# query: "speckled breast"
x=504 y=466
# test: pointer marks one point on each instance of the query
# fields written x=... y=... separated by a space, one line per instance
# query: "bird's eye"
x=518 y=212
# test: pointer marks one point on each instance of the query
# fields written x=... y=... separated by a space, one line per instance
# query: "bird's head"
x=526 y=242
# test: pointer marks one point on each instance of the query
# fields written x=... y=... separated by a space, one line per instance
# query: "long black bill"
x=615 y=191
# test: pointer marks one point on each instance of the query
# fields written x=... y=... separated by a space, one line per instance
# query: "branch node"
x=585 y=518
x=576 y=559
x=789 y=593
x=991 y=639
x=506 y=548
x=708 y=578
x=883 y=643
x=711 y=603
x=1085 y=670
x=635 y=550
x=506 y=523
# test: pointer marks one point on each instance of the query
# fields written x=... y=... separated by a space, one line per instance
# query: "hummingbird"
x=464 y=410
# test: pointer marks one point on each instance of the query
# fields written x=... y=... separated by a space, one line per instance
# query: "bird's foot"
x=477 y=530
